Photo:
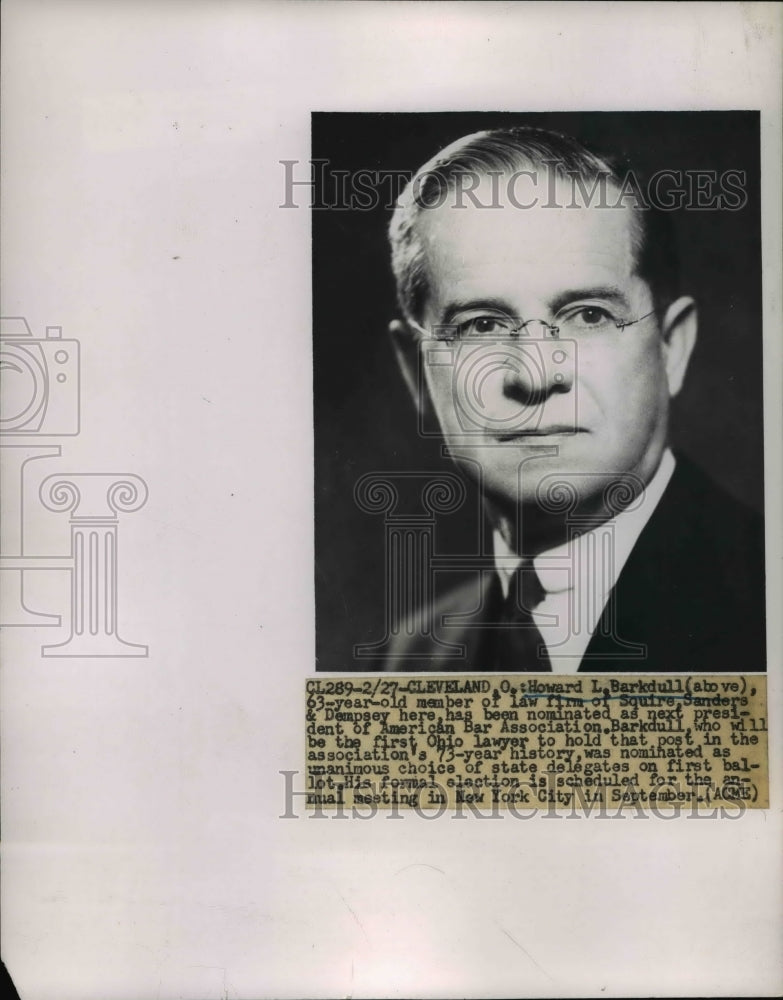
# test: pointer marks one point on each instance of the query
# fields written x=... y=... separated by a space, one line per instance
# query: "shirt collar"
x=554 y=568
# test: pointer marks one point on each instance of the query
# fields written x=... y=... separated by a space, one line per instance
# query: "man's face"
x=597 y=404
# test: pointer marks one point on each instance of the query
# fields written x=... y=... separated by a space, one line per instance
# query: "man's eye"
x=484 y=326
x=589 y=317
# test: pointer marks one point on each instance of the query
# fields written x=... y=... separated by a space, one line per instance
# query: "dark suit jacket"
x=691 y=594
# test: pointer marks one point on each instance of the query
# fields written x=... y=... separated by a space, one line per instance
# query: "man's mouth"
x=538 y=432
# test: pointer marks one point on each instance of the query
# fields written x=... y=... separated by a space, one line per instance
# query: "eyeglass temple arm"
x=622 y=324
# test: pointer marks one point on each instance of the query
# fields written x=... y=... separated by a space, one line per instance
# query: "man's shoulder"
x=693 y=588
x=695 y=512
x=690 y=479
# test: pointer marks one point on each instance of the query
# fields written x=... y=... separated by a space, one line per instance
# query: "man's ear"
x=406 y=348
x=679 y=328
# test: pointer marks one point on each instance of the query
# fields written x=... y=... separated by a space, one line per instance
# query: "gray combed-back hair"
x=505 y=151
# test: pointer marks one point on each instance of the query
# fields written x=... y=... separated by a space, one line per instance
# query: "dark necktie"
x=520 y=645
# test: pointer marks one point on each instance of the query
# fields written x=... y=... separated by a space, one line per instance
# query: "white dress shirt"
x=578 y=577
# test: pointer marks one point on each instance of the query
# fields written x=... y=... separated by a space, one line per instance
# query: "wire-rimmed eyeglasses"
x=575 y=324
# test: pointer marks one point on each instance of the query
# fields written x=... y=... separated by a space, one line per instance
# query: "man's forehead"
x=504 y=214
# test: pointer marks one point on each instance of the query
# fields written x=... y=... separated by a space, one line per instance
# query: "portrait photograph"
x=538 y=404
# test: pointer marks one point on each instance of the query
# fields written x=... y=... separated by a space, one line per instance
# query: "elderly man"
x=543 y=330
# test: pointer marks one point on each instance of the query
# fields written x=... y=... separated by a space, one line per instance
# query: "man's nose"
x=534 y=372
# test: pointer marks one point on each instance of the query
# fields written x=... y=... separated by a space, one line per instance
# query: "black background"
x=364 y=419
